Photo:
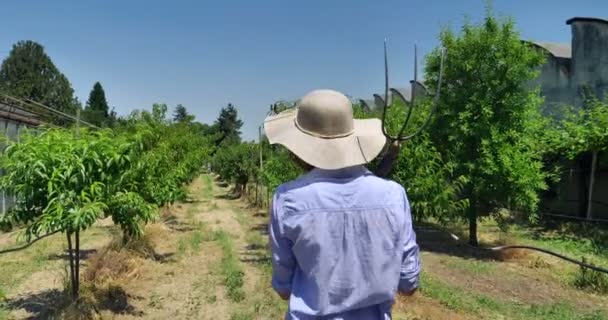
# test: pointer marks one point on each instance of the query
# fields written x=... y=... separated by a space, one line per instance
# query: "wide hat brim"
x=360 y=147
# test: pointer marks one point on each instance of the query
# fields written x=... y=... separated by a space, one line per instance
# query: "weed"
x=539 y=263
x=590 y=280
x=190 y=212
x=3 y=311
x=207 y=233
x=155 y=301
x=255 y=239
x=230 y=268
x=182 y=247
x=206 y=287
x=458 y=299
x=240 y=216
x=195 y=240
x=470 y=265
x=208 y=187
x=263 y=303
x=240 y=316
x=213 y=206
x=211 y=298
x=40 y=256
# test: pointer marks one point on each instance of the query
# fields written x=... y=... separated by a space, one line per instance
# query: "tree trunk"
x=591 y=182
x=77 y=265
x=72 y=270
x=473 y=223
x=238 y=190
x=256 y=194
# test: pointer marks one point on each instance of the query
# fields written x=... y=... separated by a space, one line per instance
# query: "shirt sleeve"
x=410 y=264
x=283 y=260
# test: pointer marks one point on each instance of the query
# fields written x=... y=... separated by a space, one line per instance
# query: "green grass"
x=575 y=244
x=190 y=212
x=567 y=245
x=573 y=239
x=590 y=280
x=17 y=266
x=471 y=266
x=3 y=312
x=155 y=301
x=264 y=303
x=195 y=240
x=464 y=301
x=207 y=191
x=240 y=216
x=191 y=242
x=212 y=206
x=576 y=240
x=230 y=268
x=256 y=239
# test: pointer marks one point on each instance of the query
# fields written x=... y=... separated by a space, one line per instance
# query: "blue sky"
x=205 y=54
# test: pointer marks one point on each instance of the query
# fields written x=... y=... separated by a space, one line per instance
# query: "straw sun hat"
x=321 y=131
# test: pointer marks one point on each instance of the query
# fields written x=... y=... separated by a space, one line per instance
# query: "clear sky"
x=205 y=54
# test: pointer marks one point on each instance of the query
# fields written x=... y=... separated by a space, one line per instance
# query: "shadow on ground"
x=40 y=305
x=432 y=238
x=174 y=224
x=261 y=228
x=85 y=254
x=165 y=257
x=46 y=304
x=228 y=196
x=256 y=254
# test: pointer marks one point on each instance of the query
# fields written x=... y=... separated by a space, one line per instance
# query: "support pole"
x=591 y=183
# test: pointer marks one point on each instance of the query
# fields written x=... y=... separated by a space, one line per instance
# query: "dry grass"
x=506 y=239
x=165 y=212
x=102 y=282
x=108 y=271
x=109 y=265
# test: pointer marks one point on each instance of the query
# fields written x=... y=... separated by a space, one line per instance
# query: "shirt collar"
x=349 y=172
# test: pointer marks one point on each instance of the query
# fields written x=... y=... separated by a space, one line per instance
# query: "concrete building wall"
x=554 y=81
x=563 y=79
x=11 y=129
x=589 y=57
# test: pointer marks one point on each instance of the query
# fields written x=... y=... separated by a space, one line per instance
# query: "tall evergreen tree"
x=96 y=110
x=181 y=114
x=29 y=73
x=228 y=125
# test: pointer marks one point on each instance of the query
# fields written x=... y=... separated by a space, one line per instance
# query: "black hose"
x=509 y=247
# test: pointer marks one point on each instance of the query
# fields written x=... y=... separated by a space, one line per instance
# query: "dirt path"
x=191 y=284
x=188 y=284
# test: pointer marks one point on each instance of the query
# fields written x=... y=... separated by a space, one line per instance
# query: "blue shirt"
x=342 y=244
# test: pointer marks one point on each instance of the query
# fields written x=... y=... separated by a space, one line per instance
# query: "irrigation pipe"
x=509 y=247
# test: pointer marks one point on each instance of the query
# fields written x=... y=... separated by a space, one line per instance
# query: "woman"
x=341 y=238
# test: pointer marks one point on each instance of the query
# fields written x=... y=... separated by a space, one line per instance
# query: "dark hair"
x=301 y=163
